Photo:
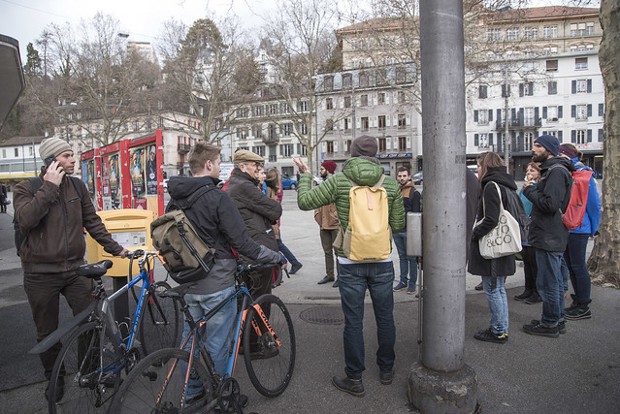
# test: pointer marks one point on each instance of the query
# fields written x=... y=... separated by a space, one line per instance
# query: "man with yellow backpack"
x=370 y=208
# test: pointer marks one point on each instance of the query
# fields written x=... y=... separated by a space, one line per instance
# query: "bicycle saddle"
x=93 y=270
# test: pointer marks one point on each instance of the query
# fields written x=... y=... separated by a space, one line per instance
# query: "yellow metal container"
x=131 y=228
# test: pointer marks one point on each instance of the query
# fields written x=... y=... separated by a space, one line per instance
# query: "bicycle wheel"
x=161 y=324
x=157 y=383
x=77 y=368
x=271 y=357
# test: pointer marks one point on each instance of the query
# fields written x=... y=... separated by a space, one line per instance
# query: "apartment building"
x=541 y=75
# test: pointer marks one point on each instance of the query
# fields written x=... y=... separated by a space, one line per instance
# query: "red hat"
x=329 y=165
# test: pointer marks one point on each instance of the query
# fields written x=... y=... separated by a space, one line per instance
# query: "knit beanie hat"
x=568 y=150
x=53 y=147
x=329 y=165
x=551 y=143
x=364 y=146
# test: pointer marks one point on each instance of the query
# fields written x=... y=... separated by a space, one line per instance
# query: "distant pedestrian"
x=530 y=293
x=575 y=253
x=412 y=201
x=273 y=183
x=3 y=198
x=357 y=277
x=327 y=219
x=491 y=171
x=547 y=233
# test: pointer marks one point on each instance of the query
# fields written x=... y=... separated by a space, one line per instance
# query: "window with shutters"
x=552 y=113
x=347 y=125
x=483 y=141
x=552 y=87
x=402 y=144
x=529 y=117
x=581 y=86
x=329 y=124
x=329 y=103
x=381 y=121
x=482 y=91
x=382 y=145
x=483 y=118
x=364 y=100
x=329 y=147
x=581 y=112
x=365 y=124
x=259 y=149
x=381 y=98
x=580 y=136
x=402 y=121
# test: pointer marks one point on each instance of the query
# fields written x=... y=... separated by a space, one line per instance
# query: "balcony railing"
x=500 y=125
x=270 y=140
x=183 y=148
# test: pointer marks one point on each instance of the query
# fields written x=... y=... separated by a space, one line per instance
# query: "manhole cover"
x=323 y=315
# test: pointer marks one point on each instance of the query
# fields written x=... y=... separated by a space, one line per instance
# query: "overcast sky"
x=24 y=20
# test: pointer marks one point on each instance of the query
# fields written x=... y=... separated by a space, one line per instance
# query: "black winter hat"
x=551 y=143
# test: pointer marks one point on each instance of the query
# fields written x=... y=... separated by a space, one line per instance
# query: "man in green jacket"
x=357 y=277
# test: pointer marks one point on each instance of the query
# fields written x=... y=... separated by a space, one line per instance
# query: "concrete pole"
x=441 y=382
x=506 y=122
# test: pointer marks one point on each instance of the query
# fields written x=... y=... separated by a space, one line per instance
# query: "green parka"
x=336 y=190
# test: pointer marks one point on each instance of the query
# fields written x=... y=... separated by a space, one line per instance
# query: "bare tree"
x=209 y=72
x=302 y=35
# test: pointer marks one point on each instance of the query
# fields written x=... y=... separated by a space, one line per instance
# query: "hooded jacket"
x=487 y=219
x=336 y=190
x=219 y=223
x=52 y=222
x=549 y=197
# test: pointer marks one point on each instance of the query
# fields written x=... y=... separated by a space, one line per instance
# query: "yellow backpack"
x=368 y=237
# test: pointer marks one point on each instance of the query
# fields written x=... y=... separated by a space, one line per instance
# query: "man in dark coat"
x=547 y=233
x=259 y=212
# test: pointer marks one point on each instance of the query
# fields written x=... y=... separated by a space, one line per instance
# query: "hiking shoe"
x=386 y=377
x=411 y=290
x=540 y=330
x=479 y=286
x=561 y=325
x=400 y=286
x=526 y=294
x=578 y=312
x=488 y=336
x=295 y=268
x=349 y=385
x=533 y=298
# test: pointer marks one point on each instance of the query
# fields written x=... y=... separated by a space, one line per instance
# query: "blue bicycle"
x=159 y=382
x=98 y=353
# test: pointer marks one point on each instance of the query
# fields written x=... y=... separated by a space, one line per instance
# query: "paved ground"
x=577 y=373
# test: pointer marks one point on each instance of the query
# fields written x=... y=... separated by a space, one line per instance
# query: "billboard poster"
x=151 y=171
x=137 y=173
x=88 y=176
x=114 y=181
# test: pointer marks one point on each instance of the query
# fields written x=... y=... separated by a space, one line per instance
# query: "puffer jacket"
x=51 y=222
x=548 y=197
x=259 y=212
x=487 y=219
x=592 y=216
x=336 y=190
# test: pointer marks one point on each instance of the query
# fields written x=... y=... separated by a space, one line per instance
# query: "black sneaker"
x=540 y=330
x=295 y=268
x=350 y=386
x=479 y=286
x=578 y=312
x=533 y=298
x=526 y=294
x=561 y=325
x=386 y=377
x=488 y=336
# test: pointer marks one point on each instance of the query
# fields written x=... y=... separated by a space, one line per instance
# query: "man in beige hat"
x=259 y=212
x=51 y=212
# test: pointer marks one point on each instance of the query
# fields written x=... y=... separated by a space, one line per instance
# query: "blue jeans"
x=408 y=264
x=355 y=279
x=550 y=285
x=575 y=258
x=287 y=253
x=217 y=331
x=495 y=291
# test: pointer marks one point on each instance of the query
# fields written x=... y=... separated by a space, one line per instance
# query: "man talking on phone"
x=52 y=214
